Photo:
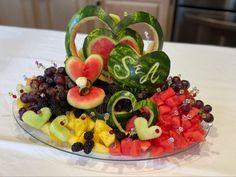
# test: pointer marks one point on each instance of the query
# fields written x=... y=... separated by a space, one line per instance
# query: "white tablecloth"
x=211 y=69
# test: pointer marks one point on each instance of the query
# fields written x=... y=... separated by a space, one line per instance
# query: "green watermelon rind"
x=152 y=108
x=144 y=17
x=134 y=84
x=132 y=35
x=112 y=121
x=85 y=14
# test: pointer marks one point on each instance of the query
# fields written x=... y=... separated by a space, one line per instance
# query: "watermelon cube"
x=135 y=149
x=193 y=112
x=164 y=109
x=167 y=93
x=126 y=146
x=145 y=145
x=175 y=122
x=171 y=102
x=115 y=149
x=186 y=124
x=156 y=151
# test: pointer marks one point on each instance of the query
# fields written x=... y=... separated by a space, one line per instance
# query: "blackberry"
x=78 y=112
x=88 y=135
x=64 y=104
x=76 y=147
x=88 y=146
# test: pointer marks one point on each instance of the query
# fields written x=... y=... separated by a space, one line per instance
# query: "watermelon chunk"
x=167 y=93
x=115 y=149
x=164 y=109
x=171 y=102
x=156 y=151
x=135 y=149
x=130 y=123
x=126 y=146
x=145 y=145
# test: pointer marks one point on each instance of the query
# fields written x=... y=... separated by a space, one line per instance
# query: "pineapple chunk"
x=100 y=125
x=73 y=139
x=97 y=139
x=20 y=104
x=99 y=148
x=71 y=121
x=107 y=138
x=91 y=124
x=80 y=126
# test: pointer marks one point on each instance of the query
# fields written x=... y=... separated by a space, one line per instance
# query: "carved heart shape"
x=144 y=132
x=91 y=68
x=37 y=120
x=58 y=128
x=136 y=73
x=101 y=41
x=93 y=12
x=116 y=118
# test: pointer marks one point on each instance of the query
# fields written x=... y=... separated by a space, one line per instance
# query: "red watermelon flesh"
x=103 y=47
x=90 y=68
x=91 y=100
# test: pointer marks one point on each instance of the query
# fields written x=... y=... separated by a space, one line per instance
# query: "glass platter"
x=40 y=136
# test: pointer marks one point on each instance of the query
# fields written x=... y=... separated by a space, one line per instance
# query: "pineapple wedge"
x=107 y=138
x=100 y=126
x=99 y=148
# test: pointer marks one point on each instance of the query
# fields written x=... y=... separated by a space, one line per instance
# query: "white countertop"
x=211 y=69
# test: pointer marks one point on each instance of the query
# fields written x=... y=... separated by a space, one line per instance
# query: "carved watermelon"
x=91 y=100
x=90 y=68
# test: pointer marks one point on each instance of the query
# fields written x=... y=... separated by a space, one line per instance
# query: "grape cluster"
x=49 y=90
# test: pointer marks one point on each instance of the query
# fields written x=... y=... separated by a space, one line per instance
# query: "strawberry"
x=145 y=145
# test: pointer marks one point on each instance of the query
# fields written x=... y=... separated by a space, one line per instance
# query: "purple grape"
x=164 y=86
x=177 y=86
x=32 y=97
x=185 y=107
x=50 y=71
x=34 y=84
x=59 y=88
x=52 y=92
x=43 y=87
x=199 y=104
x=61 y=70
x=24 y=98
x=176 y=79
x=59 y=79
x=185 y=84
x=207 y=108
x=40 y=79
x=50 y=81
x=209 y=118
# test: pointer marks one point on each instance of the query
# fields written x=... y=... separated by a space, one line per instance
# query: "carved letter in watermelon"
x=136 y=73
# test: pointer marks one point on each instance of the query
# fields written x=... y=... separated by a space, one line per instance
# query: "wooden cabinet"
x=160 y=9
x=17 y=13
x=55 y=14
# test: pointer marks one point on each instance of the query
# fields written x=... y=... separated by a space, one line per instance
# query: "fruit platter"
x=113 y=99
